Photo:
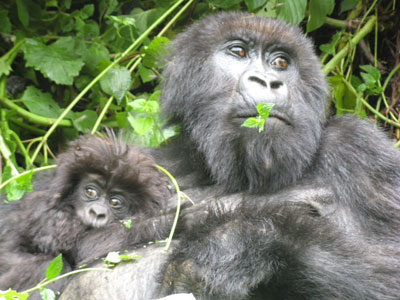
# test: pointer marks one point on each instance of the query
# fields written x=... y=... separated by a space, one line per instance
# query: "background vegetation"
x=69 y=66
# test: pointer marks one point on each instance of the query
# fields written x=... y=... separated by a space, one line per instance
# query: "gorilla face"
x=227 y=65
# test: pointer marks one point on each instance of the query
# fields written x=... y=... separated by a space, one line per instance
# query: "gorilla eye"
x=115 y=202
x=238 y=51
x=91 y=192
x=280 y=62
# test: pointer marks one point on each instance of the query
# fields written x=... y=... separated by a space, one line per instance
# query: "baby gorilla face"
x=98 y=201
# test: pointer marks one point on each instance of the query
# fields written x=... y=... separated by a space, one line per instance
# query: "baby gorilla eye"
x=280 y=62
x=238 y=51
x=91 y=192
x=115 y=202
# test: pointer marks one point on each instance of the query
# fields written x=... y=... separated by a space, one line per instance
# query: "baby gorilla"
x=76 y=209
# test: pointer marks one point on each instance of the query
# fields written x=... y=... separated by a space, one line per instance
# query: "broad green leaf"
x=292 y=11
x=145 y=106
x=318 y=11
x=264 y=109
x=372 y=71
x=5 y=67
x=40 y=103
x=116 y=82
x=87 y=11
x=146 y=74
x=55 y=267
x=47 y=294
x=347 y=5
x=252 y=122
x=269 y=10
x=154 y=52
x=18 y=187
x=330 y=48
x=254 y=4
x=89 y=29
x=106 y=7
x=141 y=125
x=224 y=3
x=53 y=62
x=122 y=119
x=12 y=295
x=23 y=13
x=5 y=24
x=94 y=55
x=155 y=96
x=145 y=18
x=84 y=120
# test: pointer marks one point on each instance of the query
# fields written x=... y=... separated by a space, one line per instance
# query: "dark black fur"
x=45 y=223
x=311 y=209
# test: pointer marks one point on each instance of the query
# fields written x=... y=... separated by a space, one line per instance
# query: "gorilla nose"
x=264 y=87
x=266 y=81
x=98 y=216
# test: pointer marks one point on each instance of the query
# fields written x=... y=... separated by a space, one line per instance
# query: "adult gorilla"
x=311 y=209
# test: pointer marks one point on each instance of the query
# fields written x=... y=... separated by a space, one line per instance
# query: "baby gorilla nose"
x=98 y=216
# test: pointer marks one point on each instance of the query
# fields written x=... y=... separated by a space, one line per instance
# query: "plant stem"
x=178 y=205
x=39 y=286
x=39 y=120
x=353 y=42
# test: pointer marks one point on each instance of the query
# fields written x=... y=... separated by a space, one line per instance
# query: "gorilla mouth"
x=244 y=115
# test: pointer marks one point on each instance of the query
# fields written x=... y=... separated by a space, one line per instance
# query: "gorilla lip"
x=273 y=115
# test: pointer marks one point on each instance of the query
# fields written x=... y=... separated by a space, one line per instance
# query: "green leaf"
x=330 y=48
x=5 y=67
x=372 y=71
x=252 y=122
x=144 y=106
x=84 y=120
x=146 y=75
x=141 y=125
x=347 y=5
x=12 y=295
x=53 y=62
x=5 y=24
x=18 y=187
x=224 y=3
x=116 y=82
x=264 y=109
x=40 y=103
x=94 y=55
x=106 y=7
x=55 y=267
x=154 y=52
x=87 y=11
x=47 y=294
x=292 y=11
x=128 y=223
x=318 y=11
x=23 y=14
x=254 y=4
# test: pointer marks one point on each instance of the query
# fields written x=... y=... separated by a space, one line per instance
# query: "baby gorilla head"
x=105 y=180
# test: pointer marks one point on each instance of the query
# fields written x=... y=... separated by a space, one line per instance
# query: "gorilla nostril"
x=276 y=84
x=96 y=215
x=258 y=80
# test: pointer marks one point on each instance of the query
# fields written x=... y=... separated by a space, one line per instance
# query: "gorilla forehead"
x=224 y=26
